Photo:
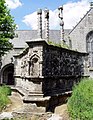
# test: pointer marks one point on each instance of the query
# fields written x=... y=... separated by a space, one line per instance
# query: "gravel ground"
x=16 y=103
x=6 y=115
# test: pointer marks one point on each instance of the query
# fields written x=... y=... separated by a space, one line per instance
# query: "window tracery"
x=89 y=47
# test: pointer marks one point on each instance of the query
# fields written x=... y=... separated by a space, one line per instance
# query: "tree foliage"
x=7 y=28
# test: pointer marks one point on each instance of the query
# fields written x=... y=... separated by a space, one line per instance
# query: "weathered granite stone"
x=61 y=24
x=46 y=24
x=29 y=115
x=39 y=13
x=43 y=71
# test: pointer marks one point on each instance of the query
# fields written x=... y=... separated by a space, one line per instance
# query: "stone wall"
x=81 y=37
x=43 y=71
x=59 y=62
x=62 y=68
x=79 y=33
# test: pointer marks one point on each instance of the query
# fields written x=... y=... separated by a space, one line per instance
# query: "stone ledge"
x=20 y=90
x=37 y=98
x=91 y=69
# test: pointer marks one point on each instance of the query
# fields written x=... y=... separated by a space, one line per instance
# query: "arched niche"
x=34 y=66
x=89 y=47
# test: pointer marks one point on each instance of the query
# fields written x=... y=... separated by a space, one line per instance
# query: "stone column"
x=61 y=24
x=91 y=4
x=39 y=13
x=46 y=26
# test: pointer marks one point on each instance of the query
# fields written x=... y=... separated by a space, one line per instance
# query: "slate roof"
x=23 y=35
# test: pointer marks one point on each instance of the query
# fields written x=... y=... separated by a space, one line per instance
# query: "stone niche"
x=44 y=71
x=34 y=66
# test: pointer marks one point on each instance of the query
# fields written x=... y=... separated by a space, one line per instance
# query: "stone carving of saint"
x=34 y=67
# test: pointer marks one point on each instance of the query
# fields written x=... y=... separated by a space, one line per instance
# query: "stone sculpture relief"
x=34 y=66
x=30 y=66
x=24 y=66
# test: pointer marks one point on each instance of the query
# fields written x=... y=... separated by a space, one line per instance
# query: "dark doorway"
x=8 y=74
x=10 y=79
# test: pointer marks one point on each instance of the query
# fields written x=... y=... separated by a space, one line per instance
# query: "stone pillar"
x=91 y=4
x=46 y=26
x=39 y=13
x=61 y=24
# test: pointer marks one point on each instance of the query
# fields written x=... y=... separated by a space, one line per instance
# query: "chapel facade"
x=81 y=37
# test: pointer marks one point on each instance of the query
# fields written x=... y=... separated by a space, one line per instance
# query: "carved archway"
x=34 y=66
x=7 y=74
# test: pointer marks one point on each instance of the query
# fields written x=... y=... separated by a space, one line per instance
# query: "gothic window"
x=89 y=47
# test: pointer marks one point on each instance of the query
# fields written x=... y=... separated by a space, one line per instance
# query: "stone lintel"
x=35 y=99
x=33 y=77
x=30 y=78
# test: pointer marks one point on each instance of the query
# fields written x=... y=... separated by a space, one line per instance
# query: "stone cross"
x=61 y=23
x=39 y=13
x=46 y=27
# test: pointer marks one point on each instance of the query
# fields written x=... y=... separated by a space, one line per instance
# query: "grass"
x=61 y=45
x=4 y=100
x=80 y=104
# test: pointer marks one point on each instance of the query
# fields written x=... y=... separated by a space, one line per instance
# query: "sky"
x=25 y=12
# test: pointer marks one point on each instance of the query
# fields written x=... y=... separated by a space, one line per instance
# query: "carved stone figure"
x=34 y=66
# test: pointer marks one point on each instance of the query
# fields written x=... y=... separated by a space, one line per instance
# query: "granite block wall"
x=46 y=70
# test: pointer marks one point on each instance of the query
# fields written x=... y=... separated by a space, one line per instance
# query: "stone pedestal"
x=47 y=72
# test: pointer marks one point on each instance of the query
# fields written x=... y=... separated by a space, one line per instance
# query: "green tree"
x=7 y=28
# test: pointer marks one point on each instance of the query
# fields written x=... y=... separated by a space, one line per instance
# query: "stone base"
x=37 y=101
x=31 y=108
x=31 y=115
x=33 y=102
